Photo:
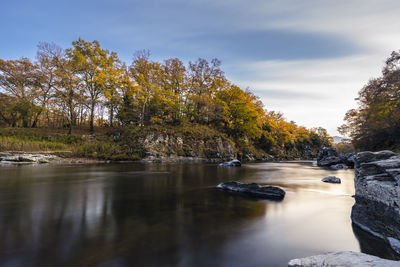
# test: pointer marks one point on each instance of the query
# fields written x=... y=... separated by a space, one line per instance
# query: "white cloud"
x=313 y=92
x=370 y=25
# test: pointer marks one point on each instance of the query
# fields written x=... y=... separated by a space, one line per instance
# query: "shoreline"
x=15 y=158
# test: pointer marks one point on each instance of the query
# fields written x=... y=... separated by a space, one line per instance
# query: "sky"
x=305 y=58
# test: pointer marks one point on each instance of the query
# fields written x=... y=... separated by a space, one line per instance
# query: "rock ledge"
x=343 y=259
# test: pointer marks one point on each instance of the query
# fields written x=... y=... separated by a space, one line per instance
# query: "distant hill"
x=339 y=139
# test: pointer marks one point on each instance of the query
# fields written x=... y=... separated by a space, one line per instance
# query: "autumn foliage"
x=88 y=86
x=375 y=124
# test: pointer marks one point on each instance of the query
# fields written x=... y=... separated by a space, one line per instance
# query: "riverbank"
x=181 y=143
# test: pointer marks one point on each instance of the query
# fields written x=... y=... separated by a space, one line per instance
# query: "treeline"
x=88 y=86
x=375 y=124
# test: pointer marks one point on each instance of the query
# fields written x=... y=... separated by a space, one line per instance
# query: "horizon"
x=306 y=60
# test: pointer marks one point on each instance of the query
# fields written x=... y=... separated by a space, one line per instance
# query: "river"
x=170 y=215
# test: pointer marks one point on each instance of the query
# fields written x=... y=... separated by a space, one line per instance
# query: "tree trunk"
x=111 y=116
x=91 y=118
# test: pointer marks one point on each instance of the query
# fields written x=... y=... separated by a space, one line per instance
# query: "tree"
x=174 y=86
x=48 y=56
x=204 y=80
x=114 y=80
x=147 y=76
x=68 y=91
x=18 y=78
x=375 y=124
x=89 y=61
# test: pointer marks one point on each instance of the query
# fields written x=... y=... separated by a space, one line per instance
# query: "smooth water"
x=170 y=215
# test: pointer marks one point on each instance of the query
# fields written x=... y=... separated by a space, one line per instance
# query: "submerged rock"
x=343 y=259
x=253 y=190
x=331 y=179
x=377 y=207
x=232 y=163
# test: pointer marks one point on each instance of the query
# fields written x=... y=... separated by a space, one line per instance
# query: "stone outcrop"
x=331 y=179
x=377 y=184
x=232 y=163
x=329 y=157
x=253 y=190
x=343 y=259
x=18 y=159
x=170 y=148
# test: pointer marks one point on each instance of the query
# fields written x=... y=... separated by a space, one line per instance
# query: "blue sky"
x=307 y=59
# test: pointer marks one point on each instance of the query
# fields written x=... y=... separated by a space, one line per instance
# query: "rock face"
x=9 y=158
x=171 y=148
x=253 y=190
x=343 y=259
x=232 y=163
x=329 y=157
x=377 y=183
x=331 y=179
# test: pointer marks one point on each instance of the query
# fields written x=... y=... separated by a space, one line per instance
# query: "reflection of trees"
x=119 y=214
x=179 y=219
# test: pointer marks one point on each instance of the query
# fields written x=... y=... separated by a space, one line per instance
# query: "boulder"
x=253 y=190
x=328 y=156
x=350 y=159
x=343 y=259
x=232 y=163
x=331 y=179
x=377 y=184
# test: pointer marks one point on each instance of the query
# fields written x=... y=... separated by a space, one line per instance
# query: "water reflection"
x=169 y=215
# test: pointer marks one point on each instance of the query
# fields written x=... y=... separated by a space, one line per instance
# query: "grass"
x=12 y=143
x=102 y=145
x=43 y=140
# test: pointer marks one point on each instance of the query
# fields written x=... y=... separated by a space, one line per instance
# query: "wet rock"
x=253 y=190
x=343 y=259
x=232 y=163
x=331 y=179
x=377 y=184
x=340 y=166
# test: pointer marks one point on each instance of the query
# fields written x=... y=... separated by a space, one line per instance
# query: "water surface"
x=170 y=215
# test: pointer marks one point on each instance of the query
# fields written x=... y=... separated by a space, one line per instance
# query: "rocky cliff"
x=377 y=184
x=171 y=148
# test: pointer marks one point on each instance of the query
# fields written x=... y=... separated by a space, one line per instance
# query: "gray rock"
x=253 y=190
x=8 y=158
x=232 y=163
x=331 y=179
x=163 y=147
x=340 y=166
x=328 y=156
x=343 y=259
x=377 y=180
